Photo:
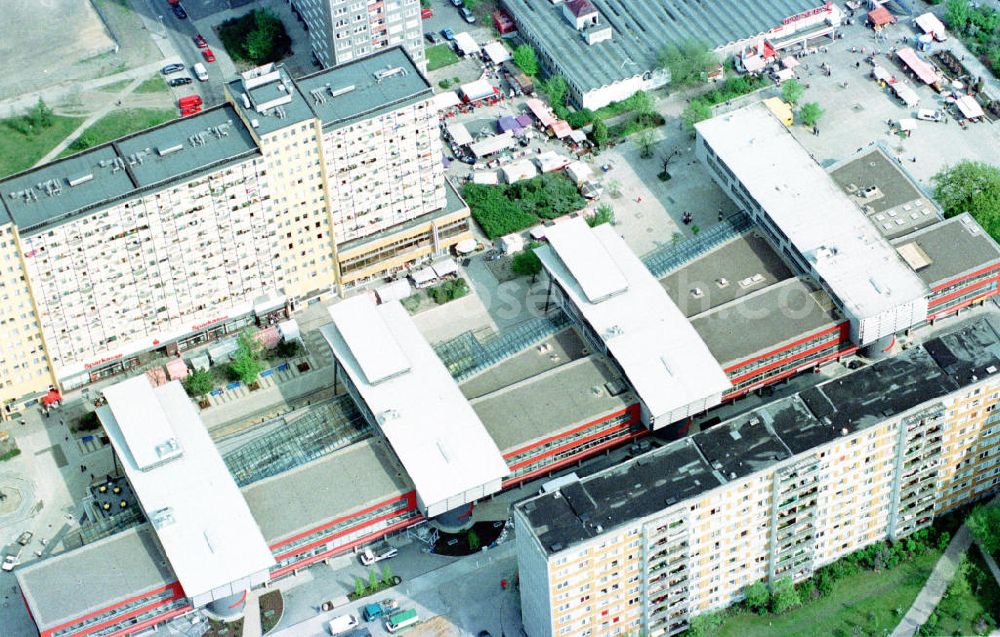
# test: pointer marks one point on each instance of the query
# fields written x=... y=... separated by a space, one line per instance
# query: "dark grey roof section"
x=741 y=258
x=210 y=139
x=55 y=193
x=898 y=206
x=747 y=443
x=969 y=353
x=272 y=119
x=364 y=88
x=638 y=488
x=766 y=319
x=954 y=247
x=641 y=29
x=764 y=436
x=869 y=396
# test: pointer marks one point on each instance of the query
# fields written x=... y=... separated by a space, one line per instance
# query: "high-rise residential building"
x=774 y=493
x=344 y=30
x=192 y=230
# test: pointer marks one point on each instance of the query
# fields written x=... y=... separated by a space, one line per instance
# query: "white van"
x=200 y=71
x=341 y=624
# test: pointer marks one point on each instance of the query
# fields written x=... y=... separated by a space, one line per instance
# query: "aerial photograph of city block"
x=500 y=318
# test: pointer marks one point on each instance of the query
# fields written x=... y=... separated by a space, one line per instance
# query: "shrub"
x=526 y=263
x=198 y=383
x=89 y=422
x=579 y=119
x=756 y=597
x=495 y=213
x=257 y=37
x=524 y=58
x=448 y=291
x=784 y=596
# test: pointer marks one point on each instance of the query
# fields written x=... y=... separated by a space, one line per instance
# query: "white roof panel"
x=207 y=532
x=844 y=249
x=430 y=425
x=659 y=351
x=372 y=345
x=587 y=259
x=152 y=444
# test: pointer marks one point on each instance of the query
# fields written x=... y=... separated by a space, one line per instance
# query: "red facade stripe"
x=409 y=497
x=570 y=445
x=950 y=282
x=131 y=630
x=631 y=408
x=844 y=329
x=574 y=458
x=177 y=594
x=791 y=372
x=341 y=533
x=781 y=361
x=958 y=306
x=960 y=292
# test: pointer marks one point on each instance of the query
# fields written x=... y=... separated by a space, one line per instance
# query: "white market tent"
x=445 y=100
x=486 y=178
x=929 y=23
x=478 y=90
x=550 y=161
x=459 y=133
x=289 y=330
x=465 y=43
x=445 y=267
x=497 y=52
x=408 y=394
x=395 y=291
x=905 y=93
x=969 y=106
x=493 y=145
x=517 y=170
x=423 y=276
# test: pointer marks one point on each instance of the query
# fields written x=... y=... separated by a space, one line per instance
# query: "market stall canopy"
x=395 y=291
x=459 y=134
x=907 y=94
x=789 y=62
x=561 y=129
x=541 y=111
x=492 y=145
x=507 y=123
x=448 y=99
x=524 y=121
x=578 y=136
x=753 y=64
x=487 y=178
x=929 y=23
x=924 y=70
x=289 y=330
x=880 y=17
x=497 y=52
x=466 y=44
x=423 y=276
x=51 y=398
x=177 y=369
x=969 y=106
x=478 y=90
x=518 y=170
x=881 y=74
x=444 y=268
x=907 y=123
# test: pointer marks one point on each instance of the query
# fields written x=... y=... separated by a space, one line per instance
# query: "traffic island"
x=272 y=606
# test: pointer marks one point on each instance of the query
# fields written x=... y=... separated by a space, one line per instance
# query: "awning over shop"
x=459 y=134
x=497 y=52
x=492 y=145
x=466 y=44
x=423 y=276
x=289 y=330
x=395 y=291
x=51 y=398
x=921 y=68
x=969 y=106
x=444 y=268
x=268 y=303
x=541 y=111
x=561 y=129
x=880 y=17
x=447 y=99
x=177 y=369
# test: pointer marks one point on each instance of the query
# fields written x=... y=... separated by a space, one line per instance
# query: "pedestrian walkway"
x=929 y=596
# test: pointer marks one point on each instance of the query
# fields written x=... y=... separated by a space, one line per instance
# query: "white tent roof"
x=486 y=177
x=969 y=106
x=929 y=23
x=459 y=133
x=661 y=354
x=289 y=329
x=477 y=89
x=445 y=267
x=551 y=160
x=207 y=532
x=446 y=100
x=437 y=436
x=490 y=145
x=466 y=43
x=423 y=275
x=905 y=93
x=395 y=291
x=518 y=170
x=497 y=52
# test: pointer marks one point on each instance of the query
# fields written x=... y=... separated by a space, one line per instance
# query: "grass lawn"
x=114 y=87
x=862 y=604
x=19 y=151
x=118 y=124
x=154 y=84
x=440 y=56
x=971 y=606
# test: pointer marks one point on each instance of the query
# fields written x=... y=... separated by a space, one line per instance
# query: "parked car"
x=930 y=115
x=208 y=55
x=11 y=559
x=432 y=37
x=369 y=557
x=426 y=13
x=25 y=537
x=180 y=12
x=200 y=42
x=179 y=81
x=448 y=34
x=467 y=15
x=341 y=624
x=172 y=68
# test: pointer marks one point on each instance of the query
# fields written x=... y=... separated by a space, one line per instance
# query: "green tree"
x=957 y=14
x=642 y=103
x=695 y=229
x=687 y=62
x=524 y=58
x=645 y=143
x=792 y=90
x=555 y=87
x=246 y=363
x=198 y=383
x=599 y=133
x=698 y=110
x=810 y=113
x=372 y=581
x=603 y=214
x=705 y=625
x=473 y=541
x=526 y=263
x=387 y=575
x=359 y=587
x=984 y=524
x=973 y=187
x=40 y=114
x=756 y=596
x=784 y=596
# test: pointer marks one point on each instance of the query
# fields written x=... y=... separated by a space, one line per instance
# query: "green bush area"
x=973 y=187
x=701 y=107
x=257 y=37
x=448 y=291
x=25 y=139
x=13 y=453
x=971 y=605
x=119 y=124
x=864 y=593
x=503 y=209
x=979 y=29
x=440 y=56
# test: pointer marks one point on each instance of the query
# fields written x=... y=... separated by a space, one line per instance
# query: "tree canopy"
x=973 y=187
x=687 y=62
x=524 y=58
x=246 y=363
x=198 y=383
x=984 y=524
x=792 y=90
x=604 y=214
x=526 y=263
x=810 y=113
